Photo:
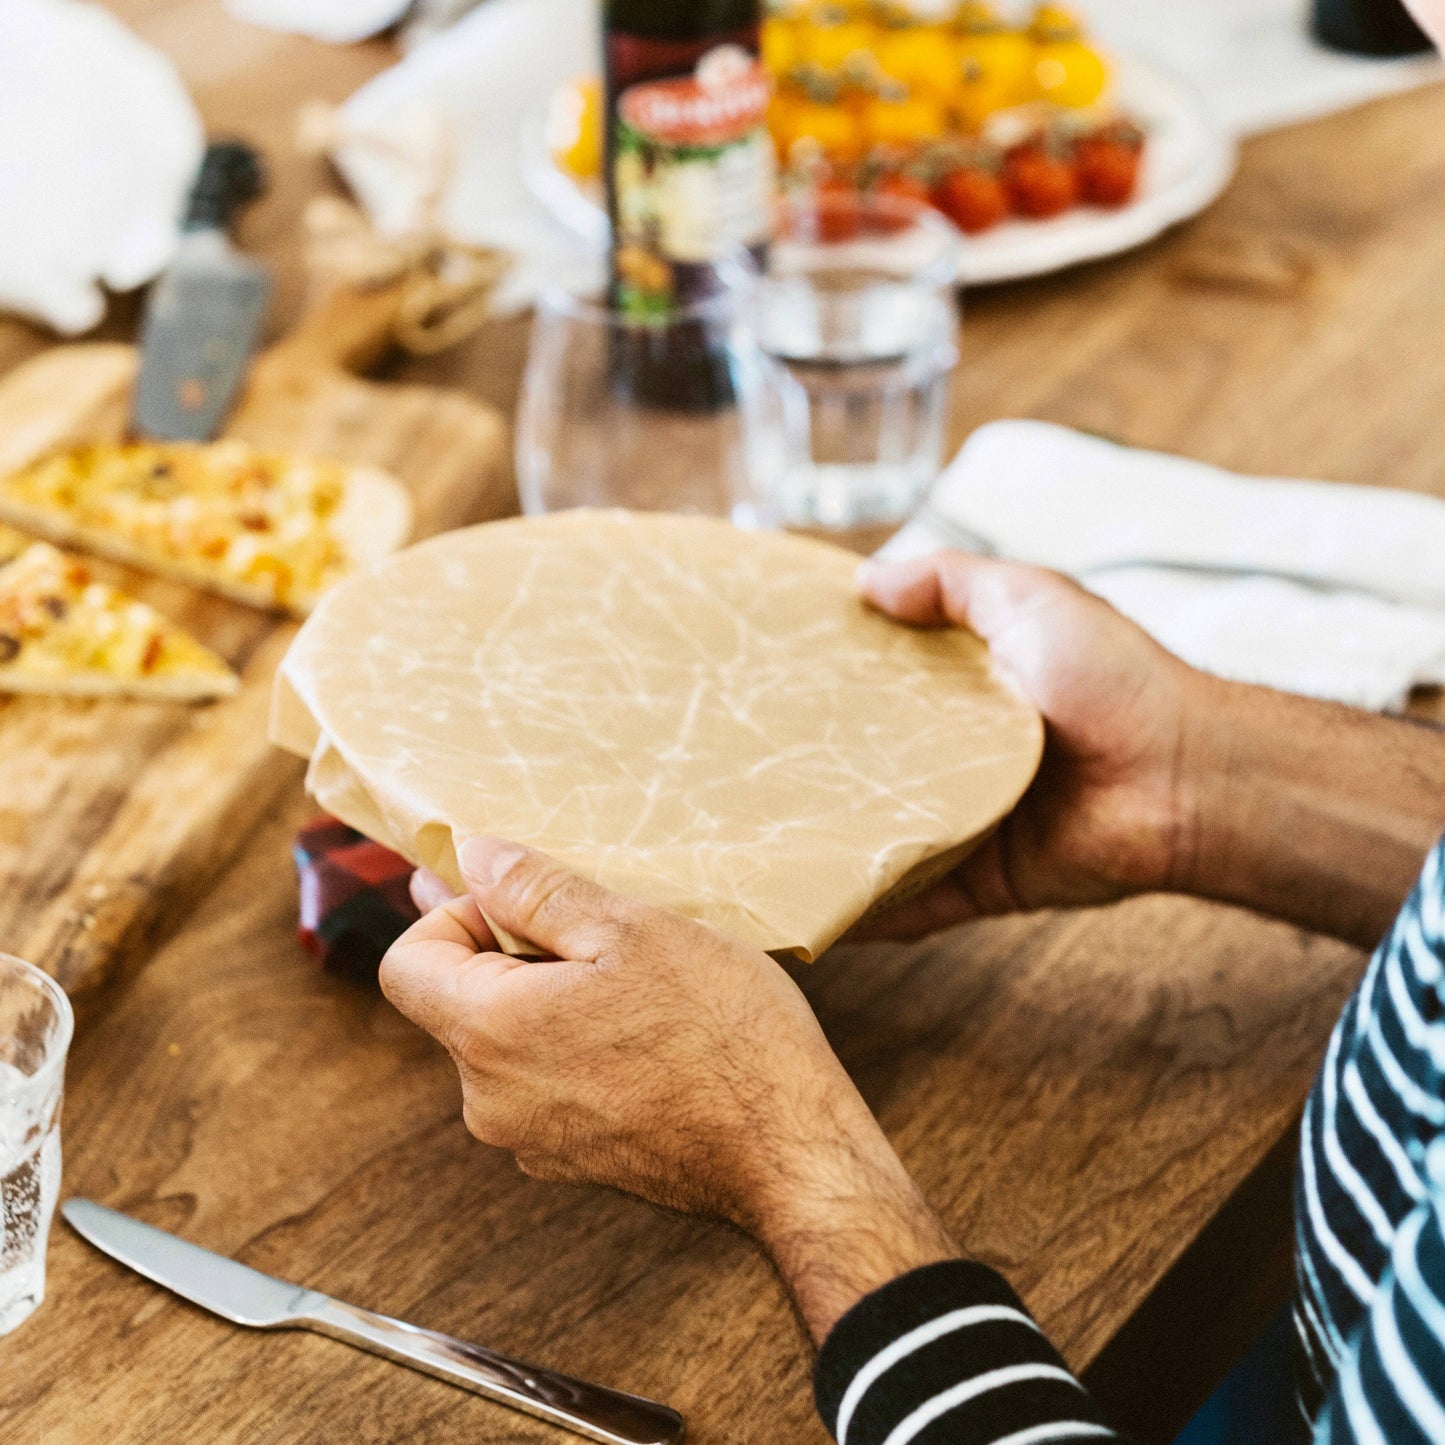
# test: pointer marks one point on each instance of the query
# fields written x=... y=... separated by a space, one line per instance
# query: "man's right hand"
x=1110 y=813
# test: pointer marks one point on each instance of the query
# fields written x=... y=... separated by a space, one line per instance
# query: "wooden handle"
x=349 y=327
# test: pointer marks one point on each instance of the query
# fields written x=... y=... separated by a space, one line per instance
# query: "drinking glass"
x=35 y=1028
x=856 y=310
x=651 y=414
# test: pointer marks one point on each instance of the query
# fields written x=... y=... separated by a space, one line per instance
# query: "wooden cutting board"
x=115 y=814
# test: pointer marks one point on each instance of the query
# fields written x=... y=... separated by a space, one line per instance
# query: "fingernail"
x=428 y=891
x=488 y=860
x=425 y=892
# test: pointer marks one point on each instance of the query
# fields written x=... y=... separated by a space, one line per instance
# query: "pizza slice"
x=62 y=632
x=266 y=529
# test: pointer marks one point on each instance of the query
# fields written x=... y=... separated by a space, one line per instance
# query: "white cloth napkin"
x=342 y=21
x=488 y=78
x=99 y=144
x=1253 y=60
x=339 y=21
x=1057 y=497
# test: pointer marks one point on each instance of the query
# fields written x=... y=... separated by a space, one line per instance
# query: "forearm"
x=908 y=1332
x=1309 y=811
x=841 y=1223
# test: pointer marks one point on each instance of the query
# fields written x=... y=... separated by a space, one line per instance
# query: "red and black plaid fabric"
x=354 y=898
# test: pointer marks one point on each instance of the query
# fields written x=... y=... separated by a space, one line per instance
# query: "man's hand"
x=657 y=1057
x=1159 y=777
x=1110 y=813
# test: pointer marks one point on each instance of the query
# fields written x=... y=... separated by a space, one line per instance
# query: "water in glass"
x=35 y=1027
x=860 y=322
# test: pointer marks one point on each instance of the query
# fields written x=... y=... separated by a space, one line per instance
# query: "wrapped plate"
x=702 y=717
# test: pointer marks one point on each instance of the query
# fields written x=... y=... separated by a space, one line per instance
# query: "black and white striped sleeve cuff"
x=948 y=1353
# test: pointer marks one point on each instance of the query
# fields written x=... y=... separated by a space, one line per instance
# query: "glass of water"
x=857 y=310
x=35 y=1028
x=647 y=412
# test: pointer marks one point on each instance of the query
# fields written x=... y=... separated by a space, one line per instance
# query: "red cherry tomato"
x=973 y=198
x=900 y=186
x=1108 y=169
x=1039 y=183
x=838 y=209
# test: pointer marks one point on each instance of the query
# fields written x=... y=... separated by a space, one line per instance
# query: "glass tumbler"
x=35 y=1029
x=856 y=311
x=650 y=414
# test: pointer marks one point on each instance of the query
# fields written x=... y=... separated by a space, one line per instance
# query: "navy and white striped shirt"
x=948 y=1353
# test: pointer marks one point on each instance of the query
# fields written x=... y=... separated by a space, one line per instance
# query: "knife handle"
x=591 y=1410
x=231 y=174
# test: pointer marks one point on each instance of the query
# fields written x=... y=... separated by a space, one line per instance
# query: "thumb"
x=946 y=588
x=1018 y=609
x=534 y=897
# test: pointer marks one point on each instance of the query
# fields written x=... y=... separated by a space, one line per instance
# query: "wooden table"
x=1098 y=1103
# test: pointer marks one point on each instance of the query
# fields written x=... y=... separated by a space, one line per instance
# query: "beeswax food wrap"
x=702 y=717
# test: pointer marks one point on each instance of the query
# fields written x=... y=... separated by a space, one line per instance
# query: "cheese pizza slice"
x=270 y=530
x=62 y=632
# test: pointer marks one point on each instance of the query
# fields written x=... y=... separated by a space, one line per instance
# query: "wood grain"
x=113 y=809
x=1078 y=1094
x=239 y=1096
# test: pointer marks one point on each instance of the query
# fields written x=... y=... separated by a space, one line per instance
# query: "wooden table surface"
x=1079 y=1094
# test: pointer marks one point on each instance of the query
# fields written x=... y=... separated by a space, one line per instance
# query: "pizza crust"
x=64 y=634
x=200 y=687
x=373 y=519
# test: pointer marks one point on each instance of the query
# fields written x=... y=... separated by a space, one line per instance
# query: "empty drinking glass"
x=857 y=309
x=644 y=413
x=35 y=1028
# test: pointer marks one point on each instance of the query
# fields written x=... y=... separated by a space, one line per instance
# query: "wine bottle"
x=690 y=172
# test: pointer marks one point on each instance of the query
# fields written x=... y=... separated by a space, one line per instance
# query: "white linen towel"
x=1371 y=629
x=487 y=79
x=337 y=21
x=1254 y=60
x=99 y=144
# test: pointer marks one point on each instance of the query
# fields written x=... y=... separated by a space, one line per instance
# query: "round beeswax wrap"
x=706 y=718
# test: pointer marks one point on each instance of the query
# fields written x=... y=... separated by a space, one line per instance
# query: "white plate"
x=1189 y=160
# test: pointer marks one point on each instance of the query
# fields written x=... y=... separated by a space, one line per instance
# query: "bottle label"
x=693 y=177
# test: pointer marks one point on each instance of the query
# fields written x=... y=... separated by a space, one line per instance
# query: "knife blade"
x=203 y=316
x=245 y=1296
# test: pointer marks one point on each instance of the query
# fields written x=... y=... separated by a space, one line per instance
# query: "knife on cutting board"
x=204 y=315
x=245 y=1296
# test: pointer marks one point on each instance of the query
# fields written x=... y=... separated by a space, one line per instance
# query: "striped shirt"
x=948 y=1353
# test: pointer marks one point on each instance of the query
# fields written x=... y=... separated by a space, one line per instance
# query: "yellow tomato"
x=903 y=124
x=832 y=36
x=574 y=129
x=995 y=72
x=834 y=128
x=1068 y=73
x=921 y=57
x=1055 y=22
x=782 y=45
x=976 y=16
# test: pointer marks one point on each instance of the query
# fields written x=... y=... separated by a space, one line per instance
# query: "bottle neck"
x=682 y=19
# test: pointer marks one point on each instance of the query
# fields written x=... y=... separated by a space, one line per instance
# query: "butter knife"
x=204 y=315
x=245 y=1296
